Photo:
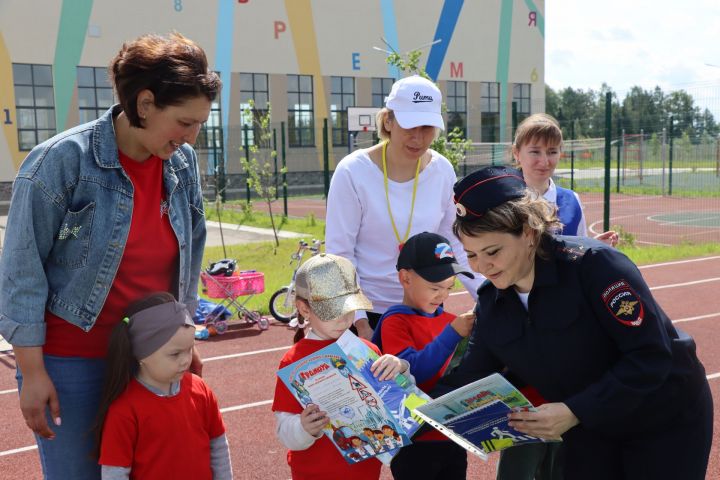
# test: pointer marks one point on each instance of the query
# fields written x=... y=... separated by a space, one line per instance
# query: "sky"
x=635 y=42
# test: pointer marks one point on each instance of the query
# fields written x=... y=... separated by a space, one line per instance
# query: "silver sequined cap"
x=329 y=284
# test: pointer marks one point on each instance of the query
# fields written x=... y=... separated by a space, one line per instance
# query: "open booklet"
x=475 y=416
x=368 y=418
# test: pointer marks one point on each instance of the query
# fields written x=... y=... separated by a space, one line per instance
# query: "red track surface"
x=248 y=378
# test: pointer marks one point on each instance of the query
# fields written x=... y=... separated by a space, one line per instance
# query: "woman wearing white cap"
x=382 y=195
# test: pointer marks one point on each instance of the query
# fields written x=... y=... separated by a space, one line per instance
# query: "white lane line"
x=699 y=317
x=686 y=284
x=679 y=262
x=205 y=360
x=246 y=405
x=464 y=292
x=18 y=450
x=243 y=354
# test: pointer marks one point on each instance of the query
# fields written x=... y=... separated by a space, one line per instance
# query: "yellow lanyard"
x=401 y=242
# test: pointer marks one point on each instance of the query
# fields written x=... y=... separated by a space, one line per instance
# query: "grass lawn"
x=274 y=262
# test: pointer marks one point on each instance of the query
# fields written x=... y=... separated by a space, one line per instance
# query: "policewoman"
x=574 y=318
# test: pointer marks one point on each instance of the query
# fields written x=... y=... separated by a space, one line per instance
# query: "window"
x=380 y=89
x=490 y=111
x=521 y=97
x=457 y=106
x=95 y=94
x=210 y=138
x=342 y=95
x=301 y=122
x=34 y=104
x=253 y=86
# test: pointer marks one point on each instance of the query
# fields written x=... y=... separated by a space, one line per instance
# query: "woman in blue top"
x=536 y=151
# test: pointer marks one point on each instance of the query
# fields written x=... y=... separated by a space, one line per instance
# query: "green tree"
x=260 y=173
x=553 y=102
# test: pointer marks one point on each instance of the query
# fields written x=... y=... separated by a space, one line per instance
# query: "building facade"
x=309 y=59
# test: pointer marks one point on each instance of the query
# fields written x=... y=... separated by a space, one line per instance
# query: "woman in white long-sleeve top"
x=382 y=195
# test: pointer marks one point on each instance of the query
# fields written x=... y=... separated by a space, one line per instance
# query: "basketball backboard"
x=362 y=119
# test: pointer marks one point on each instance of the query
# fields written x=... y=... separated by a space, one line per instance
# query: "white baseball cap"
x=416 y=101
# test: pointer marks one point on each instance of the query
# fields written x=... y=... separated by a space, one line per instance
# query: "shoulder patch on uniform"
x=623 y=303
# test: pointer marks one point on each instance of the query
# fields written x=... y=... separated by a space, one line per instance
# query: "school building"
x=309 y=59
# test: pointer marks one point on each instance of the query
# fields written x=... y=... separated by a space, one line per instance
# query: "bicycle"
x=282 y=302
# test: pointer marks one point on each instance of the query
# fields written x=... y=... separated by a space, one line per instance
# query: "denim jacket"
x=68 y=223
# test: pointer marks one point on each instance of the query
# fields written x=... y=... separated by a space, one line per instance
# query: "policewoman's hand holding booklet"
x=368 y=418
x=475 y=416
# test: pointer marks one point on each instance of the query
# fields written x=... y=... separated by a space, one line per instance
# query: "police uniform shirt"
x=592 y=337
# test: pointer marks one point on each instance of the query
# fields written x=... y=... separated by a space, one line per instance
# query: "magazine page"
x=476 y=415
x=400 y=396
x=361 y=426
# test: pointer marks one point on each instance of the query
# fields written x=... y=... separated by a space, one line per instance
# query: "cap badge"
x=420 y=98
x=443 y=250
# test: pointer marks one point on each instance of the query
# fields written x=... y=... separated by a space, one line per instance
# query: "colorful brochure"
x=368 y=418
x=475 y=416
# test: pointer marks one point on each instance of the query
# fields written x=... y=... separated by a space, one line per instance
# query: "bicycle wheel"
x=282 y=307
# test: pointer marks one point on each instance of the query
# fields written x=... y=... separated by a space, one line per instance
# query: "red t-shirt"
x=321 y=461
x=405 y=330
x=163 y=437
x=149 y=264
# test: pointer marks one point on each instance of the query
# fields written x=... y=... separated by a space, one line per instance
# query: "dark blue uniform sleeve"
x=478 y=362
x=625 y=309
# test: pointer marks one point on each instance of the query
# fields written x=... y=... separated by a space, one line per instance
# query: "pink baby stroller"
x=222 y=281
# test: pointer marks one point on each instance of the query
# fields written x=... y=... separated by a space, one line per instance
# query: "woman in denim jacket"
x=100 y=216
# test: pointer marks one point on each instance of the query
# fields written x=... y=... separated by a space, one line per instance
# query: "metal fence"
x=664 y=188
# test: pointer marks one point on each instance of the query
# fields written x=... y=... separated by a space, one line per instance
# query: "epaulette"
x=570 y=248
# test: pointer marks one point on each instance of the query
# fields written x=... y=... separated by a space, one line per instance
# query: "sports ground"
x=240 y=367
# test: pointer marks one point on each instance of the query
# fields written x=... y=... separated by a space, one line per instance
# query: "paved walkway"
x=232 y=234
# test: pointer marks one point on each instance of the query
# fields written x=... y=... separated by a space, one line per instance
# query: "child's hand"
x=463 y=324
x=313 y=420
x=610 y=237
x=386 y=367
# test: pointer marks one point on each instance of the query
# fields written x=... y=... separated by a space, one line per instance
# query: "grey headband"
x=151 y=328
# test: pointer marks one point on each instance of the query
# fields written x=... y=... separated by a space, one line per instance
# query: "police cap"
x=487 y=188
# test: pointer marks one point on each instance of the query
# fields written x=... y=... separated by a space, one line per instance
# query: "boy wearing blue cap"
x=425 y=335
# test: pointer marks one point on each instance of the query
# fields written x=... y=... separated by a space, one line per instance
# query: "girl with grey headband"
x=153 y=411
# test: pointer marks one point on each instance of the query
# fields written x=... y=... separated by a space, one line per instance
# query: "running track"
x=240 y=367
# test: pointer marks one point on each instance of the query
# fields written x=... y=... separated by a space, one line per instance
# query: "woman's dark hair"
x=513 y=216
x=173 y=68
x=121 y=364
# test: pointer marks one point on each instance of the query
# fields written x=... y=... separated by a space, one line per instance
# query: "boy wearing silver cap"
x=327 y=297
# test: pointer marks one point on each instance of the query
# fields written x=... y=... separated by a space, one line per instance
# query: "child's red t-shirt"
x=163 y=437
x=321 y=461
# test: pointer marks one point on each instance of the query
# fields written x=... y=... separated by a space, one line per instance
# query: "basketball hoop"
x=362 y=119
